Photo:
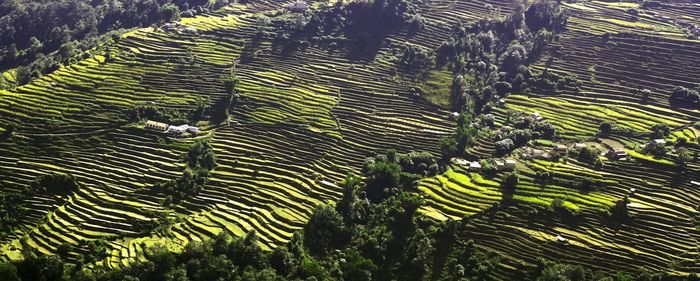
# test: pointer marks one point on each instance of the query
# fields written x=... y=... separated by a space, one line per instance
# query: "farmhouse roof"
x=298 y=6
x=560 y=147
x=156 y=125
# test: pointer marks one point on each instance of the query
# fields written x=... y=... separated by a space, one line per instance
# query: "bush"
x=324 y=231
x=504 y=147
x=682 y=96
x=660 y=131
x=54 y=184
x=605 y=128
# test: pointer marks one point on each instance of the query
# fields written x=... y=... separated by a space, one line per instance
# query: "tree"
x=660 y=131
x=459 y=88
x=8 y=272
x=686 y=97
x=683 y=157
x=504 y=146
x=510 y=180
x=381 y=177
x=54 y=184
x=605 y=128
x=448 y=148
x=325 y=231
x=169 y=12
x=202 y=155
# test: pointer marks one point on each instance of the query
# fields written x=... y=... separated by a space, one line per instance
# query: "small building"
x=157 y=126
x=189 y=30
x=298 y=7
x=459 y=161
x=534 y=154
x=579 y=146
x=616 y=153
x=509 y=164
x=632 y=189
x=474 y=166
x=560 y=149
x=561 y=239
x=657 y=142
x=536 y=116
x=183 y=128
x=171 y=26
x=500 y=165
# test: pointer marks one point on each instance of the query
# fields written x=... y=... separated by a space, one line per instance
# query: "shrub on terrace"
x=54 y=184
x=325 y=231
x=510 y=180
x=660 y=131
x=683 y=157
x=685 y=97
x=504 y=146
x=605 y=128
x=588 y=155
x=546 y=14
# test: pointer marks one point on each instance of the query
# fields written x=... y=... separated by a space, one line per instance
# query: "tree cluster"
x=39 y=36
x=496 y=53
x=685 y=97
x=200 y=160
x=13 y=199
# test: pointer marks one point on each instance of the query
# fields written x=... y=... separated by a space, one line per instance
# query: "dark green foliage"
x=683 y=157
x=95 y=250
x=201 y=155
x=200 y=159
x=8 y=272
x=685 y=97
x=448 y=148
x=156 y=113
x=12 y=209
x=619 y=212
x=357 y=267
x=545 y=14
x=381 y=177
x=605 y=128
x=189 y=184
x=510 y=180
x=660 y=131
x=325 y=231
x=588 y=155
x=552 y=82
x=504 y=146
x=65 y=29
x=54 y=184
x=40 y=267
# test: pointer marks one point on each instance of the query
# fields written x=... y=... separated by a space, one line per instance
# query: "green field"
x=308 y=116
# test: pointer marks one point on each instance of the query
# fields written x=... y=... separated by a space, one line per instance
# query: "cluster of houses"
x=616 y=153
x=475 y=166
x=557 y=150
x=170 y=129
x=178 y=28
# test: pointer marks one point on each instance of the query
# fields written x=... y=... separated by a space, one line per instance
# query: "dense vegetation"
x=39 y=35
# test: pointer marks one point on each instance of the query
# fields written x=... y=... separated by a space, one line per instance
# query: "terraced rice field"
x=310 y=116
x=306 y=119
